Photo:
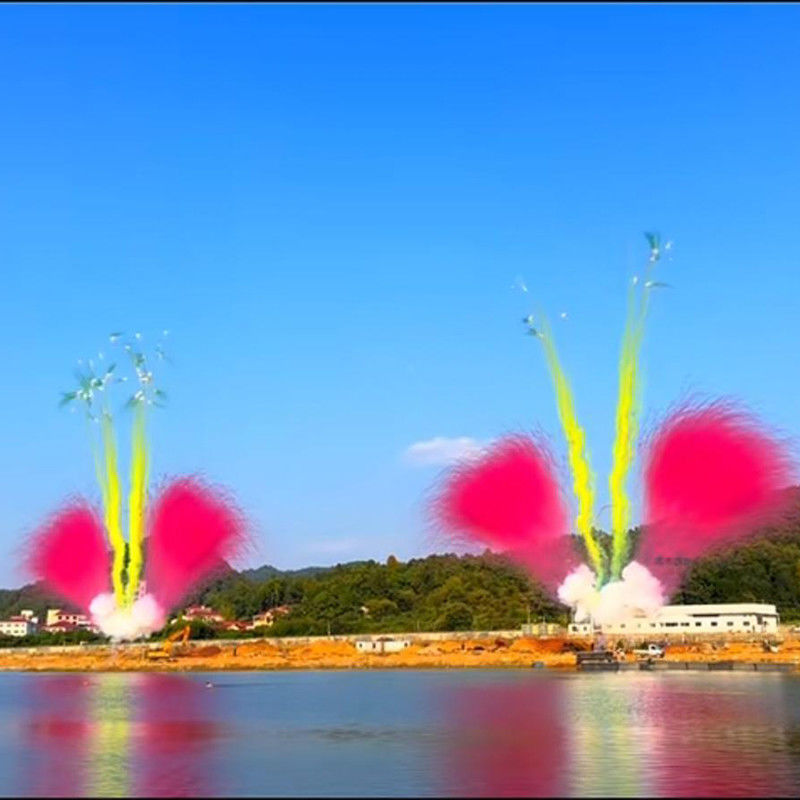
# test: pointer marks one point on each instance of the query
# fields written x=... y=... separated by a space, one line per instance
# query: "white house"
x=542 y=629
x=266 y=619
x=59 y=617
x=203 y=614
x=695 y=619
x=17 y=626
x=383 y=644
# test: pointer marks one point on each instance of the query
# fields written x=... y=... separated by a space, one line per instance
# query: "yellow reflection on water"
x=608 y=747
x=110 y=714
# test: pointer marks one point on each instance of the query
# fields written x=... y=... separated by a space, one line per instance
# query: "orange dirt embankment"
x=523 y=652
x=448 y=653
x=788 y=652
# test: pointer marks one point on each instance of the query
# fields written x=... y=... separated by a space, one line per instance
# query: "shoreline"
x=444 y=653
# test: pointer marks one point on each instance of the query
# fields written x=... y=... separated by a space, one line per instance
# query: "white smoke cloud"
x=578 y=592
x=141 y=618
x=442 y=451
x=639 y=593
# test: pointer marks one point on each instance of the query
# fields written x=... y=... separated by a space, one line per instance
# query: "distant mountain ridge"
x=37 y=598
x=267 y=571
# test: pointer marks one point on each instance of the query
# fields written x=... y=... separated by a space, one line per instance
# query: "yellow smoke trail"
x=136 y=500
x=583 y=478
x=626 y=429
x=112 y=496
x=627 y=418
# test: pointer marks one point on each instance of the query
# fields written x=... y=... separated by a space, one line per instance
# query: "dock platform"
x=603 y=661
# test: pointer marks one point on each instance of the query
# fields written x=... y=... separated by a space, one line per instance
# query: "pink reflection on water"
x=506 y=740
x=719 y=742
x=143 y=735
x=57 y=732
x=175 y=736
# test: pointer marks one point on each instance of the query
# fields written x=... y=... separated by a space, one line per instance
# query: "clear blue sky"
x=328 y=206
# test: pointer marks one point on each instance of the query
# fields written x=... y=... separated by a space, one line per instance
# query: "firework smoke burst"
x=190 y=532
x=712 y=475
x=509 y=500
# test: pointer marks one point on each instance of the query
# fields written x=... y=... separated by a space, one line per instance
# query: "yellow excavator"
x=165 y=651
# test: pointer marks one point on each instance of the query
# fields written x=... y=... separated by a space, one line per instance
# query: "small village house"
x=382 y=644
x=266 y=619
x=58 y=617
x=17 y=626
x=236 y=625
x=203 y=614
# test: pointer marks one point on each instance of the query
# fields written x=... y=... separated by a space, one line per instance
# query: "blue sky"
x=328 y=208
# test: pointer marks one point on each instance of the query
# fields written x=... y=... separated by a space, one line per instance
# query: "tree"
x=456 y=617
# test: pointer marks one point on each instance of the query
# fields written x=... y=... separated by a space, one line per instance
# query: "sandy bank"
x=277 y=655
x=456 y=653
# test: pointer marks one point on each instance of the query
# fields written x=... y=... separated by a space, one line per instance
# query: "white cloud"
x=441 y=450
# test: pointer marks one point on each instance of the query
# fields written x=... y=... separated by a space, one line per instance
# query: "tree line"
x=437 y=593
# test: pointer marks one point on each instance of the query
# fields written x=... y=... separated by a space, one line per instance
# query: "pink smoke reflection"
x=142 y=735
x=506 y=741
x=716 y=741
x=175 y=736
x=58 y=731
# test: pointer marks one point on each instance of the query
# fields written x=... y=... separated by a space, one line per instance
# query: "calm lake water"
x=439 y=732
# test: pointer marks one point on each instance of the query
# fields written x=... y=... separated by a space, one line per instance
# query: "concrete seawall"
x=706 y=666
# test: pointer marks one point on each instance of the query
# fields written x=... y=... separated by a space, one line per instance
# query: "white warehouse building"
x=698 y=619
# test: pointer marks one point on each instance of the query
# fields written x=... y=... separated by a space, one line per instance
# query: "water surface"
x=400 y=732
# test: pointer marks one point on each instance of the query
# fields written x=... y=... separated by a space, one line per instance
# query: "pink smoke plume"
x=69 y=554
x=192 y=530
x=712 y=476
x=510 y=500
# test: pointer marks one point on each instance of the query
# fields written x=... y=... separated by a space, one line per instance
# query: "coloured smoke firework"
x=712 y=475
x=187 y=534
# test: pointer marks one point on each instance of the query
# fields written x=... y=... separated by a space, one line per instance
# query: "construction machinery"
x=165 y=650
